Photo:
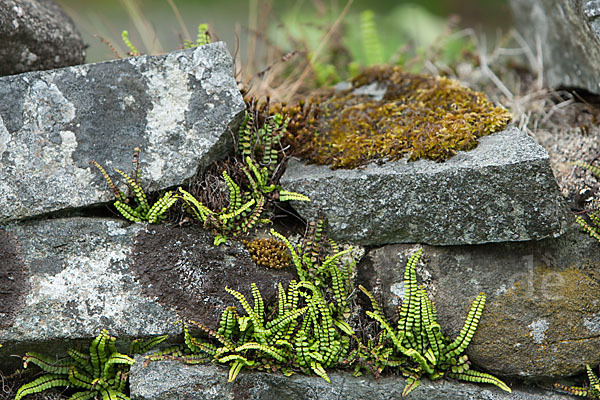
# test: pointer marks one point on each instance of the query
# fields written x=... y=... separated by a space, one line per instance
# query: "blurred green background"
x=154 y=27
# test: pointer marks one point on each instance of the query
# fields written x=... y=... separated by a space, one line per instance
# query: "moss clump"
x=270 y=253
x=420 y=116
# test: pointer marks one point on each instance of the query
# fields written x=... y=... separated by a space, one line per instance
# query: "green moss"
x=562 y=299
x=420 y=116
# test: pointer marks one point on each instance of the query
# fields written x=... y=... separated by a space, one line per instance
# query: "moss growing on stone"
x=419 y=116
x=270 y=253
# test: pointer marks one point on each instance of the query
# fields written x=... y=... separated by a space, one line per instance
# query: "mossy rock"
x=542 y=316
x=389 y=114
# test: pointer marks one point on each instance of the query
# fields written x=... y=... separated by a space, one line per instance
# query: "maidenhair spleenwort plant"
x=592 y=391
x=592 y=229
x=258 y=147
x=142 y=212
x=417 y=344
x=101 y=373
x=305 y=329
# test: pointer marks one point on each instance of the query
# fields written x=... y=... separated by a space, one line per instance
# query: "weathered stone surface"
x=542 y=316
x=37 y=35
x=172 y=380
x=503 y=190
x=78 y=281
x=67 y=279
x=566 y=32
x=182 y=269
x=176 y=107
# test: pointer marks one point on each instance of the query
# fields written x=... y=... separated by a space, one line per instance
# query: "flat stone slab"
x=67 y=279
x=177 y=108
x=172 y=380
x=542 y=315
x=503 y=190
x=565 y=34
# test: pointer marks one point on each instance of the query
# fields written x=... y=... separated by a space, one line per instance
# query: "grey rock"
x=78 y=281
x=567 y=33
x=37 y=35
x=503 y=190
x=64 y=280
x=542 y=316
x=172 y=380
x=178 y=108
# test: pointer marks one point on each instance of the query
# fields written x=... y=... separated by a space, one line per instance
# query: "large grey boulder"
x=37 y=35
x=567 y=32
x=503 y=190
x=542 y=316
x=172 y=380
x=178 y=108
x=67 y=279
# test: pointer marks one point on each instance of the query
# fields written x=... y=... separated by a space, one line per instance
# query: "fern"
x=133 y=51
x=592 y=227
x=103 y=371
x=591 y=391
x=143 y=211
x=418 y=336
x=305 y=329
x=370 y=40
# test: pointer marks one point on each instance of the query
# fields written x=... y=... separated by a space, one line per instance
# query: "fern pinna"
x=142 y=211
x=591 y=391
x=100 y=373
x=417 y=344
x=305 y=330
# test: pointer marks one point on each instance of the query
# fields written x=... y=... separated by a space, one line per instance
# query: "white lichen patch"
x=4 y=137
x=397 y=290
x=593 y=323
x=538 y=329
x=170 y=100
x=91 y=292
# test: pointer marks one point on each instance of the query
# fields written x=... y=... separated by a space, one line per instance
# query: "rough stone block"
x=172 y=380
x=542 y=315
x=566 y=33
x=37 y=35
x=503 y=190
x=67 y=279
x=177 y=108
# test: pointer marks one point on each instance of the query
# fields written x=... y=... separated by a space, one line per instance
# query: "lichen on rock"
x=414 y=115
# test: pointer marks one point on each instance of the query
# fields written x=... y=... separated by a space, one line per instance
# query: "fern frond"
x=480 y=377
x=284 y=195
x=370 y=39
x=138 y=192
x=47 y=364
x=132 y=50
x=117 y=193
x=127 y=212
x=411 y=384
x=141 y=346
x=156 y=213
x=468 y=330
x=273 y=352
x=41 y=384
x=319 y=370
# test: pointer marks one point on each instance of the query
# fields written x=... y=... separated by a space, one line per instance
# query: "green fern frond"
x=47 y=364
x=117 y=193
x=411 y=384
x=480 y=377
x=319 y=370
x=284 y=195
x=132 y=49
x=41 y=384
x=141 y=346
x=370 y=38
x=468 y=330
